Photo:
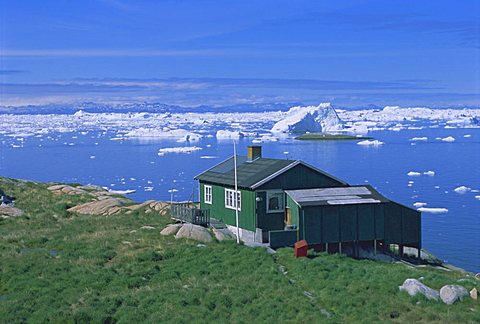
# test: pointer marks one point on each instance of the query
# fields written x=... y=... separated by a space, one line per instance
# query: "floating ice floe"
x=122 y=192
x=148 y=188
x=447 y=139
x=370 y=143
x=429 y=173
x=181 y=134
x=477 y=197
x=225 y=134
x=419 y=139
x=265 y=138
x=433 y=210
x=419 y=204
x=467 y=135
x=462 y=189
x=208 y=157
x=319 y=119
x=92 y=156
x=414 y=174
x=186 y=150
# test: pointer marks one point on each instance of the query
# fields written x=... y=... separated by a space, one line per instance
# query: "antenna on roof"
x=235 y=195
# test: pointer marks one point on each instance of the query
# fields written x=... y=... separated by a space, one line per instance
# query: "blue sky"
x=351 y=53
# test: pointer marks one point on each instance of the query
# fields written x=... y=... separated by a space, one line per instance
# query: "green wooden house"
x=282 y=201
x=261 y=191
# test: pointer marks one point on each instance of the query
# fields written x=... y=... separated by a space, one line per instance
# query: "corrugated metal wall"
x=392 y=222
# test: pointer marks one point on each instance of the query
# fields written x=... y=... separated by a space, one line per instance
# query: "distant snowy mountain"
x=134 y=107
x=315 y=119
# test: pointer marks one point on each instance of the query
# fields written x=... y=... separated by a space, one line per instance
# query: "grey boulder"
x=8 y=211
x=223 y=234
x=413 y=287
x=451 y=293
x=194 y=232
x=171 y=229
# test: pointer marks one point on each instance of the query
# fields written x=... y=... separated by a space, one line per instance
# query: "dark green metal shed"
x=352 y=214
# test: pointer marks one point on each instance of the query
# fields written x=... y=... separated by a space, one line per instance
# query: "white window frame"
x=267 y=205
x=229 y=199
x=207 y=193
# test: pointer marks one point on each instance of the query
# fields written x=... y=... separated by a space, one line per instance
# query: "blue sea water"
x=134 y=164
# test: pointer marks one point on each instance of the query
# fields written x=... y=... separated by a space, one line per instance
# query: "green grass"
x=329 y=137
x=62 y=267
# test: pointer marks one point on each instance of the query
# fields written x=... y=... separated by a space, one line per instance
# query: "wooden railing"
x=186 y=213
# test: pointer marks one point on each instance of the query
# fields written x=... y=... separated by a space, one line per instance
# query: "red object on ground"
x=301 y=249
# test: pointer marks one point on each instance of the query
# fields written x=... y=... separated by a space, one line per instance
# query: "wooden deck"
x=185 y=212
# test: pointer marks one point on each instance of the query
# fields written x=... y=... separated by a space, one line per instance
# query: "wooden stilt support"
x=375 y=247
x=326 y=247
x=340 y=247
x=400 y=250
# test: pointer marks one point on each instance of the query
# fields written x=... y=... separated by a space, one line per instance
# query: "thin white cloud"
x=103 y=52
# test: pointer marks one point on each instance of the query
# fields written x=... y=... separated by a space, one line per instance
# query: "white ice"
x=225 y=134
x=370 y=143
x=414 y=174
x=319 y=119
x=448 y=139
x=186 y=150
x=462 y=189
x=433 y=210
x=419 y=204
x=419 y=139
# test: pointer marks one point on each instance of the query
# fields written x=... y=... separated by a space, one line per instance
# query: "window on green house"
x=231 y=197
x=275 y=201
x=207 y=194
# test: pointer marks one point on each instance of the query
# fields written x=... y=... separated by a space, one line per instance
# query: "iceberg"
x=370 y=143
x=433 y=210
x=419 y=139
x=419 y=204
x=225 y=134
x=448 y=139
x=429 y=173
x=414 y=174
x=186 y=150
x=462 y=189
x=122 y=192
x=181 y=134
x=315 y=119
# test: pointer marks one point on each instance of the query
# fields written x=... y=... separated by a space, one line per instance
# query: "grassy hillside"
x=61 y=267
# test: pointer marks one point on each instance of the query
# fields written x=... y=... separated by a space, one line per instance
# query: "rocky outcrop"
x=194 y=232
x=223 y=234
x=105 y=207
x=161 y=207
x=66 y=190
x=452 y=293
x=171 y=229
x=107 y=203
x=413 y=287
x=9 y=211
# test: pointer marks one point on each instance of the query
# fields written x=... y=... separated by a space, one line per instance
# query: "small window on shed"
x=275 y=201
x=207 y=194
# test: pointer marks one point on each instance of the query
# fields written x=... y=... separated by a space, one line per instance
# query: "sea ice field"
x=427 y=159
